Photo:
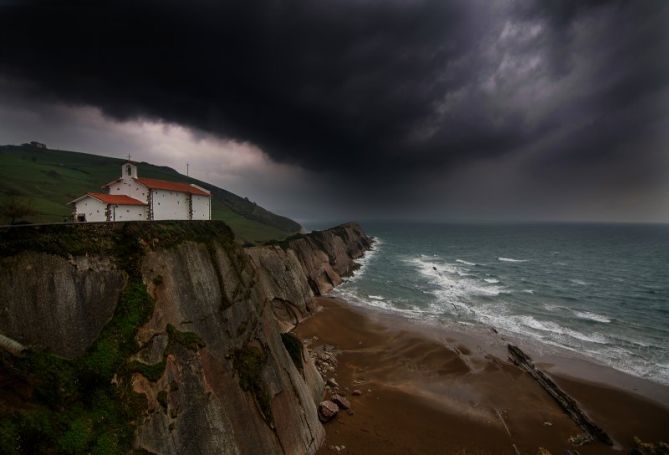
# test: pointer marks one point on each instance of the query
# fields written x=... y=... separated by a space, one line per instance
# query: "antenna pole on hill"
x=128 y=157
x=187 y=169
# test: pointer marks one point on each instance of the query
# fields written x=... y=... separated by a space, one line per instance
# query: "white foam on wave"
x=556 y=330
x=462 y=261
x=352 y=295
x=579 y=282
x=451 y=286
x=453 y=290
x=502 y=259
x=633 y=363
x=491 y=280
x=592 y=316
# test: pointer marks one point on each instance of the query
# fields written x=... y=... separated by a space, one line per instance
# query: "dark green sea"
x=600 y=290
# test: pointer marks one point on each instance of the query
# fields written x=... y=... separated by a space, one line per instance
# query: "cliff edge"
x=164 y=337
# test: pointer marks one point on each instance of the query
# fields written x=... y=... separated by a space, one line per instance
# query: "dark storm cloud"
x=300 y=79
x=399 y=87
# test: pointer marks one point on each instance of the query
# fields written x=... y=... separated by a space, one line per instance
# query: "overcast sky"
x=359 y=109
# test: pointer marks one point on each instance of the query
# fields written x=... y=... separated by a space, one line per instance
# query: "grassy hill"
x=49 y=179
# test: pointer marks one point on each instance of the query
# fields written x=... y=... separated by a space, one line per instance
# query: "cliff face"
x=207 y=363
x=292 y=272
x=52 y=301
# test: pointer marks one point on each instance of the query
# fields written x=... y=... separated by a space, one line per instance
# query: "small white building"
x=131 y=198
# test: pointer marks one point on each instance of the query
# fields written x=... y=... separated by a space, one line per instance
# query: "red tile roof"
x=172 y=186
x=117 y=199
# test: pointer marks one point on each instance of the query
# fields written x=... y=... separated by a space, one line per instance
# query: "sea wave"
x=429 y=287
x=462 y=261
x=503 y=259
x=594 y=345
x=450 y=285
x=352 y=295
x=592 y=316
x=557 y=329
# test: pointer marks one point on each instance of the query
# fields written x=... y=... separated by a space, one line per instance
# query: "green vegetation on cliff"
x=120 y=240
x=74 y=406
x=142 y=377
x=249 y=362
x=49 y=404
x=46 y=180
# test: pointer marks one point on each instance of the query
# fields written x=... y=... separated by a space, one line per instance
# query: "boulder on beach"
x=327 y=410
x=340 y=401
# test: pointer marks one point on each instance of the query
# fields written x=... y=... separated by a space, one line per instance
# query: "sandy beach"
x=425 y=390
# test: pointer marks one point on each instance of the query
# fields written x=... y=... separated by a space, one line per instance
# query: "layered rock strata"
x=210 y=361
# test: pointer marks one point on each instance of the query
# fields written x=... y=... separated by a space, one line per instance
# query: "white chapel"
x=131 y=198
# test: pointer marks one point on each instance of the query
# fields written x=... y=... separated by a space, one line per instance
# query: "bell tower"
x=128 y=171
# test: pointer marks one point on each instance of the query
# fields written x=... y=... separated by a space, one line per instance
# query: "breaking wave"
x=502 y=259
x=462 y=261
x=592 y=316
x=449 y=282
x=569 y=308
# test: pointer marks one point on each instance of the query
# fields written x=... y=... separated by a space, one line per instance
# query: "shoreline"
x=554 y=359
x=605 y=356
x=431 y=390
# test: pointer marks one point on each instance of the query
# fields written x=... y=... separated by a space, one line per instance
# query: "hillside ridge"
x=48 y=179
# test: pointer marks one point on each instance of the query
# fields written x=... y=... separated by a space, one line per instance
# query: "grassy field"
x=48 y=179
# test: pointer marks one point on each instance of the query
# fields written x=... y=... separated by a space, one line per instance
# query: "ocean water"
x=599 y=290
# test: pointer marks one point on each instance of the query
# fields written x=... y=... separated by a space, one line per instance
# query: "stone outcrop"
x=567 y=403
x=341 y=401
x=210 y=363
x=327 y=411
x=649 y=448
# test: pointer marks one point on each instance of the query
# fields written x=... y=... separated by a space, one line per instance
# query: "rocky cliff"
x=163 y=337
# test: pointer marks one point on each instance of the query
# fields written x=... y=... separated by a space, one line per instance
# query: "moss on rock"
x=108 y=238
x=85 y=405
x=189 y=340
x=249 y=363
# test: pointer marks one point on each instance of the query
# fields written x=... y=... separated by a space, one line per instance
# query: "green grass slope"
x=49 y=179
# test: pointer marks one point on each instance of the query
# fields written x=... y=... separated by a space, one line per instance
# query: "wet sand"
x=427 y=393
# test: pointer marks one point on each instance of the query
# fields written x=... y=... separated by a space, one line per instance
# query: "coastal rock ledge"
x=165 y=337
